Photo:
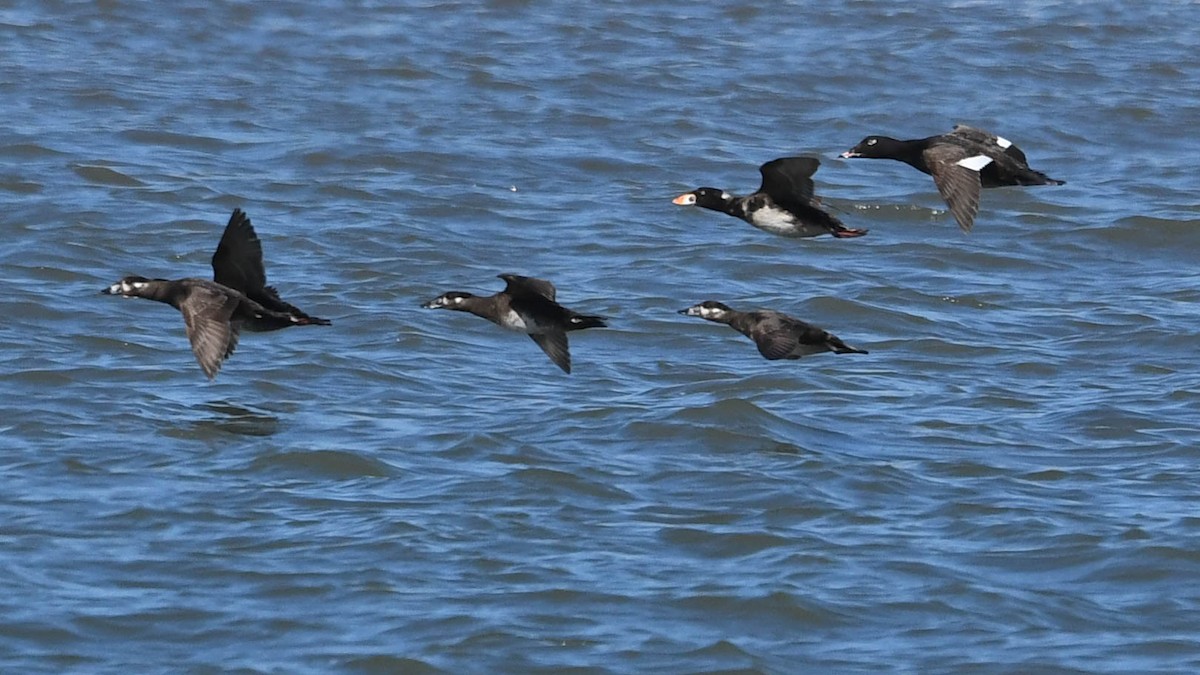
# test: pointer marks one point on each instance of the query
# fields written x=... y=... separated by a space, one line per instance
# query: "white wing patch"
x=513 y=321
x=1003 y=142
x=774 y=220
x=975 y=163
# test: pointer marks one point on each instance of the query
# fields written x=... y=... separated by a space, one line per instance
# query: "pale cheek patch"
x=1003 y=142
x=975 y=163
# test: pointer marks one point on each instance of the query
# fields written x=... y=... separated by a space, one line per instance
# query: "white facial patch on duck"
x=446 y=301
x=1003 y=142
x=127 y=287
x=975 y=163
x=711 y=312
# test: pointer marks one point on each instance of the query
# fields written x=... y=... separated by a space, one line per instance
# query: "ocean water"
x=1006 y=483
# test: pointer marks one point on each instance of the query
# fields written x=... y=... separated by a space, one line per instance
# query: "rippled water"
x=1005 y=484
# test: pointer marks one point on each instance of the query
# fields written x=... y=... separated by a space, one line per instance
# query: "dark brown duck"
x=777 y=335
x=526 y=305
x=214 y=312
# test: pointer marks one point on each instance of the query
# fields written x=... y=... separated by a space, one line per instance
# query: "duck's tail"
x=581 y=321
x=843 y=232
x=306 y=320
x=838 y=347
x=1035 y=177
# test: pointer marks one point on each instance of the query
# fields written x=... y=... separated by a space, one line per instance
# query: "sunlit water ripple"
x=1004 y=484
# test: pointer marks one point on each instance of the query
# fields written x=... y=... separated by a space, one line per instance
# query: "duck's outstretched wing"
x=989 y=140
x=518 y=285
x=238 y=261
x=555 y=346
x=206 y=316
x=788 y=180
x=955 y=171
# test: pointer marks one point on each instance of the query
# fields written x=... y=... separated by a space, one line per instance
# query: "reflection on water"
x=232 y=418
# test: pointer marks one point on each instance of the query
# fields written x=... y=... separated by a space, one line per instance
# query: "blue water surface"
x=1004 y=484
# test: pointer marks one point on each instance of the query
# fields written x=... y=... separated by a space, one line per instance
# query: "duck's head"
x=705 y=197
x=129 y=287
x=450 y=300
x=709 y=309
x=872 y=147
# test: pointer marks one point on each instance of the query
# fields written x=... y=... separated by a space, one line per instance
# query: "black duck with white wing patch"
x=526 y=305
x=214 y=313
x=960 y=162
x=783 y=204
x=777 y=335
